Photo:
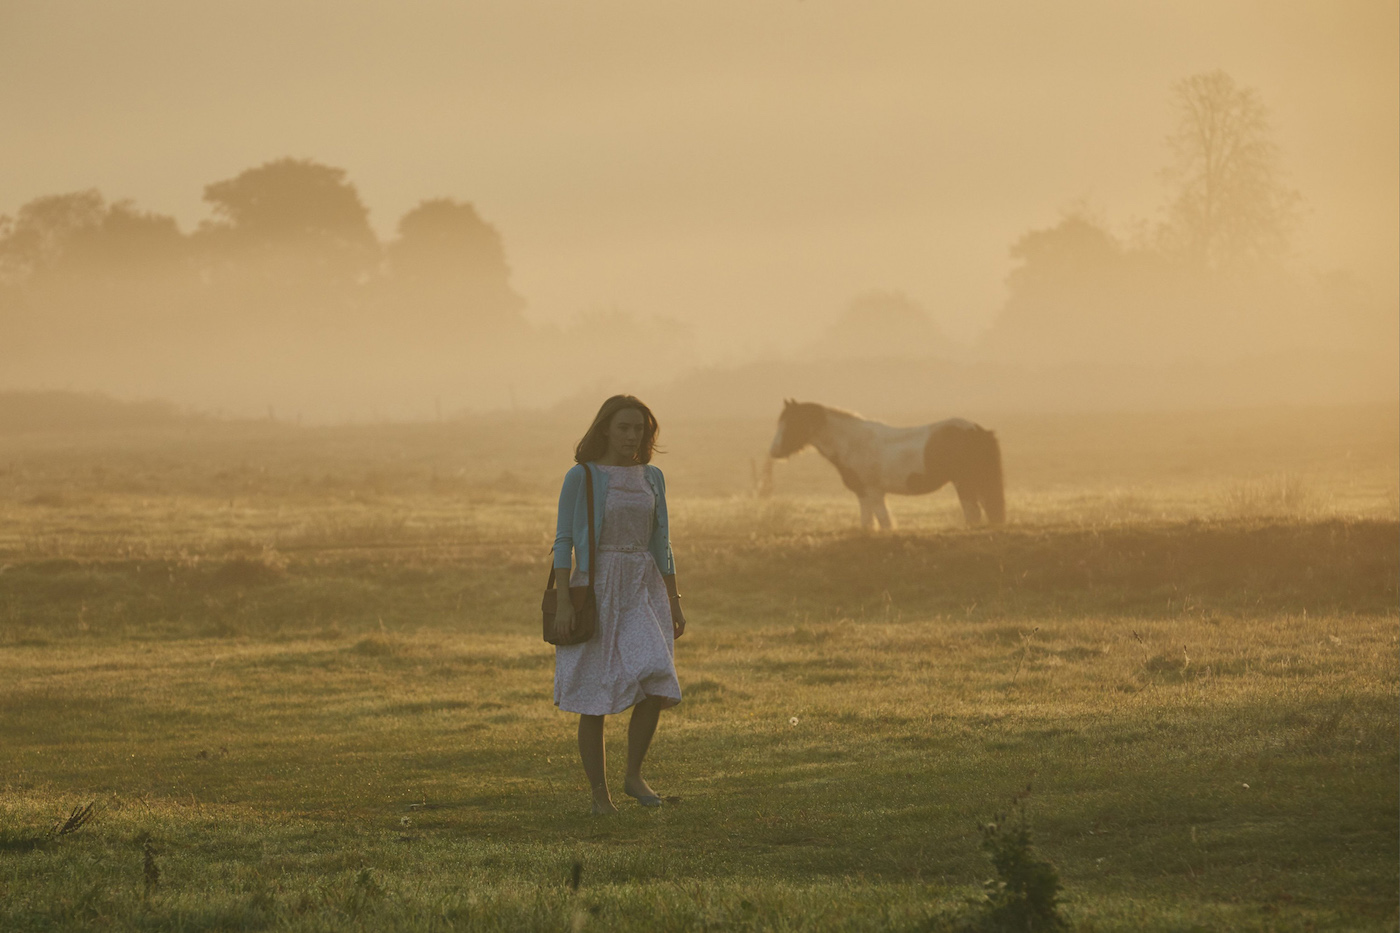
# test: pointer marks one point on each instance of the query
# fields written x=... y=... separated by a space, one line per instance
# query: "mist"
x=389 y=214
x=1020 y=542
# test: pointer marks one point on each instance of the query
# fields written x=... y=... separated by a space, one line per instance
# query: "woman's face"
x=625 y=434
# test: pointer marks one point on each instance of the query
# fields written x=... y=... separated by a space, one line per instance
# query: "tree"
x=1069 y=281
x=80 y=276
x=449 y=264
x=290 y=243
x=291 y=199
x=301 y=224
x=1230 y=208
x=39 y=236
x=133 y=240
x=1077 y=292
x=442 y=238
x=1065 y=267
x=79 y=237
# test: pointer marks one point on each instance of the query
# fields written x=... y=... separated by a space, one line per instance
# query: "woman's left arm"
x=660 y=544
x=661 y=550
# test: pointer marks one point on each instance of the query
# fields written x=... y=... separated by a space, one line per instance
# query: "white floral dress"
x=631 y=656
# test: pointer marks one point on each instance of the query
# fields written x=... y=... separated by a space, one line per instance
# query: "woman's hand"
x=677 y=618
x=564 y=610
x=677 y=615
x=564 y=603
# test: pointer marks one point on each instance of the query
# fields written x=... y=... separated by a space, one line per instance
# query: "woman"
x=629 y=660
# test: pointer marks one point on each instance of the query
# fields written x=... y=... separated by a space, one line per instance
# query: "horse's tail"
x=993 y=493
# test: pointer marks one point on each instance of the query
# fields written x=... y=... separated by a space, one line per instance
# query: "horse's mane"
x=839 y=412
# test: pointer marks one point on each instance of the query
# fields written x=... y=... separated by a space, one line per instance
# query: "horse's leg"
x=867 y=514
x=882 y=514
x=967 y=495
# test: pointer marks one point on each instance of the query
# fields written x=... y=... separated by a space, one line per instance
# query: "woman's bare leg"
x=639 y=732
x=590 y=749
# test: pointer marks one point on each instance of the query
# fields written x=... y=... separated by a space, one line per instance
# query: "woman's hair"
x=595 y=442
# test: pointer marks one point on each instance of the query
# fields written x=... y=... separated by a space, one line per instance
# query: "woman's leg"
x=639 y=732
x=590 y=749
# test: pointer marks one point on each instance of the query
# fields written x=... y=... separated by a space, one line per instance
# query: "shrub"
x=1024 y=896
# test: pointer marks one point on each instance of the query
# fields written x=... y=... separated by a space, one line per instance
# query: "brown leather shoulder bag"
x=584 y=621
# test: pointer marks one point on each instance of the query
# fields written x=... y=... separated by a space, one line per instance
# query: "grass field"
x=299 y=673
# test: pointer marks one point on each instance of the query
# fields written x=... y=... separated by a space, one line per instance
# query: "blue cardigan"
x=571 y=533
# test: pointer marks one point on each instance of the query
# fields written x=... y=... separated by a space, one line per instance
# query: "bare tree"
x=1230 y=207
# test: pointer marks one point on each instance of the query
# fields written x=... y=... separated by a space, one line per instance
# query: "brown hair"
x=595 y=441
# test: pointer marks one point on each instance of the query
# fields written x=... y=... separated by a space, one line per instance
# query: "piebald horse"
x=874 y=459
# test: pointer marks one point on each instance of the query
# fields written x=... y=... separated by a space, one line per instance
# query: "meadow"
x=297 y=671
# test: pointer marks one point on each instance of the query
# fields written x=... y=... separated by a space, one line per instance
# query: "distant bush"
x=68 y=411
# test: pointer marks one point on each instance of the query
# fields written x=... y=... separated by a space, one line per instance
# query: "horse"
x=874 y=459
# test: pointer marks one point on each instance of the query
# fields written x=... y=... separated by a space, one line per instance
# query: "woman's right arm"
x=564 y=538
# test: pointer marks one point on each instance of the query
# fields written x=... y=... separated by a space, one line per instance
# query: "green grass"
x=327 y=707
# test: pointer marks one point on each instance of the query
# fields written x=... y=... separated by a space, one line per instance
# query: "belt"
x=624 y=548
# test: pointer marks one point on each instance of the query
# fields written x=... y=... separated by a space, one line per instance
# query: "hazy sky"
x=747 y=165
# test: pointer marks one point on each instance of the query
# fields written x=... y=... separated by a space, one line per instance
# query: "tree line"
x=285 y=292
x=288 y=248
x=1213 y=277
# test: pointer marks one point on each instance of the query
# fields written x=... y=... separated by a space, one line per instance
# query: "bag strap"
x=592 y=550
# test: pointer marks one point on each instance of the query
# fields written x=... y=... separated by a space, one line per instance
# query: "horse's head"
x=797 y=425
